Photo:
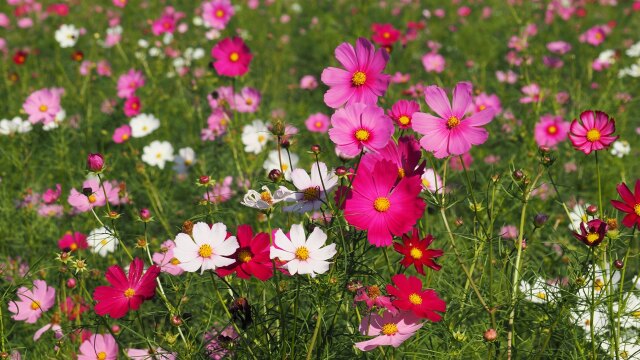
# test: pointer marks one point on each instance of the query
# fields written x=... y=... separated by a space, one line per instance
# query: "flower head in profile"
x=125 y=292
x=232 y=57
x=361 y=80
x=416 y=251
x=165 y=259
x=592 y=233
x=43 y=105
x=99 y=347
x=551 y=130
x=373 y=297
x=32 y=303
x=302 y=255
x=410 y=296
x=431 y=181
x=402 y=112
x=359 y=126
x=450 y=133
x=209 y=249
x=388 y=329
x=593 y=132
x=252 y=256
x=265 y=200
x=630 y=204
x=217 y=13
x=312 y=190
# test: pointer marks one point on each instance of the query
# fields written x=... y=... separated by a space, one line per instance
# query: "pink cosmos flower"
x=388 y=329
x=222 y=96
x=51 y=195
x=359 y=126
x=103 y=68
x=433 y=62
x=559 y=47
x=132 y=106
x=551 y=130
x=402 y=112
x=247 y=101
x=532 y=93
x=509 y=77
x=216 y=125
x=372 y=296
x=156 y=354
x=122 y=134
x=317 y=122
x=232 y=57
x=220 y=192
x=483 y=101
x=120 y=3
x=165 y=259
x=595 y=35
x=217 y=13
x=308 y=82
x=128 y=83
x=50 y=210
x=361 y=80
x=72 y=241
x=43 y=105
x=54 y=326
x=166 y=24
x=377 y=204
x=450 y=133
x=125 y=293
x=406 y=155
x=99 y=346
x=82 y=202
x=384 y=34
x=32 y=303
x=593 y=132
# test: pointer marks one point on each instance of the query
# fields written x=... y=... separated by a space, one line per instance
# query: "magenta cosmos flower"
x=388 y=329
x=317 y=122
x=217 y=13
x=32 y=303
x=130 y=82
x=232 y=57
x=359 y=126
x=252 y=257
x=551 y=130
x=377 y=204
x=402 y=112
x=43 y=105
x=593 y=132
x=450 y=133
x=630 y=204
x=125 y=293
x=99 y=346
x=361 y=80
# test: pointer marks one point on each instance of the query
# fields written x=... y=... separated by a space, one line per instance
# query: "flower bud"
x=71 y=283
x=341 y=171
x=285 y=143
x=204 y=179
x=316 y=149
x=619 y=264
x=176 y=320
x=145 y=214
x=540 y=219
x=187 y=227
x=95 y=162
x=592 y=210
x=277 y=127
x=115 y=328
x=518 y=175
x=490 y=335
x=275 y=175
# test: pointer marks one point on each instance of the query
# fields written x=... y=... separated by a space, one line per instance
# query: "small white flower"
x=186 y=157
x=302 y=255
x=60 y=116
x=158 y=153
x=634 y=50
x=167 y=38
x=67 y=36
x=265 y=200
x=154 y=51
x=431 y=181
x=311 y=190
x=198 y=53
x=255 y=136
x=296 y=8
x=101 y=241
x=607 y=56
x=143 y=43
x=273 y=162
x=197 y=21
x=631 y=313
x=582 y=318
x=598 y=285
x=14 y=126
x=116 y=30
x=577 y=216
x=179 y=62
x=540 y=292
x=620 y=148
x=209 y=249
x=143 y=125
x=212 y=34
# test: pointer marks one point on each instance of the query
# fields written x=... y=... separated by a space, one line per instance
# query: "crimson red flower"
x=416 y=252
x=125 y=293
x=593 y=233
x=252 y=257
x=629 y=205
x=410 y=296
x=384 y=34
x=20 y=57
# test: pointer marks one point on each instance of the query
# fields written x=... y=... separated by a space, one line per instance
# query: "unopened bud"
x=275 y=175
x=145 y=214
x=619 y=264
x=518 y=175
x=95 y=162
x=341 y=171
x=592 y=210
x=540 y=219
x=316 y=149
x=71 y=283
x=187 y=227
x=490 y=335
x=204 y=179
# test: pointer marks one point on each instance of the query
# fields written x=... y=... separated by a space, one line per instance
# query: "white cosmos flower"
x=14 y=126
x=265 y=200
x=311 y=190
x=599 y=284
x=273 y=162
x=255 y=136
x=582 y=318
x=631 y=313
x=186 y=157
x=431 y=181
x=627 y=350
x=540 y=292
x=143 y=125
x=67 y=36
x=634 y=50
x=101 y=241
x=620 y=148
x=579 y=215
x=302 y=255
x=209 y=249
x=158 y=153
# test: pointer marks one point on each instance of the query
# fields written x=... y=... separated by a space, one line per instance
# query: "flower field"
x=279 y=179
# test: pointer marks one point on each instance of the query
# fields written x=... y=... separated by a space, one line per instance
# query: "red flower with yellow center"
x=630 y=204
x=409 y=296
x=416 y=252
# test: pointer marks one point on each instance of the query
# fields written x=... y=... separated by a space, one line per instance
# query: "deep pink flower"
x=252 y=257
x=122 y=134
x=593 y=132
x=217 y=13
x=120 y=3
x=630 y=204
x=359 y=126
x=99 y=347
x=372 y=296
x=32 y=303
x=128 y=83
x=318 y=122
x=232 y=57
x=377 y=204
x=308 y=82
x=595 y=35
x=166 y=24
x=559 y=47
x=402 y=112
x=384 y=34
x=405 y=155
x=450 y=133
x=72 y=241
x=551 y=130
x=409 y=296
x=125 y=293
x=388 y=329
x=361 y=80
x=51 y=195
x=43 y=105
x=132 y=106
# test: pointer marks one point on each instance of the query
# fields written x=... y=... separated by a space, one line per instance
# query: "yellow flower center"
x=159 y=156
x=425 y=183
x=636 y=209
x=415 y=299
x=541 y=295
x=125 y=136
x=266 y=197
x=103 y=242
x=482 y=107
x=43 y=108
x=261 y=138
x=401 y=173
x=92 y=198
x=636 y=314
x=592 y=237
x=244 y=255
x=452 y=122
x=416 y=253
x=248 y=101
x=35 y=305
x=599 y=285
x=318 y=124
x=404 y=120
x=362 y=135
x=129 y=293
x=175 y=261
x=552 y=129
x=381 y=204
x=145 y=128
x=386 y=35
x=389 y=329
x=102 y=355
x=219 y=13
x=302 y=253
x=373 y=291
x=359 y=78
x=205 y=251
x=593 y=135
x=311 y=193
x=73 y=246
x=624 y=355
x=234 y=56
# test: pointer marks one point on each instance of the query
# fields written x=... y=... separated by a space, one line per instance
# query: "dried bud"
x=490 y=335
x=187 y=227
x=95 y=162
x=277 y=127
x=275 y=175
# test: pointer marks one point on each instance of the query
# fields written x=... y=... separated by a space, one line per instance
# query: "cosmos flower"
x=359 y=126
x=102 y=241
x=318 y=122
x=289 y=162
x=67 y=35
x=450 y=133
x=14 y=126
x=265 y=200
x=32 y=303
x=247 y=101
x=433 y=62
x=255 y=136
x=158 y=153
x=43 y=105
x=130 y=82
x=302 y=255
x=551 y=130
x=592 y=233
x=539 y=292
x=416 y=251
x=406 y=155
x=252 y=257
x=125 y=292
x=143 y=125
x=155 y=354
x=99 y=346
x=372 y=297
x=409 y=296
x=96 y=197
x=217 y=13
x=388 y=329
x=384 y=34
x=209 y=249
x=132 y=106
x=630 y=204
x=431 y=181
x=402 y=112
x=73 y=241
x=312 y=191
x=165 y=259
x=232 y=57
x=361 y=80
x=593 y=132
